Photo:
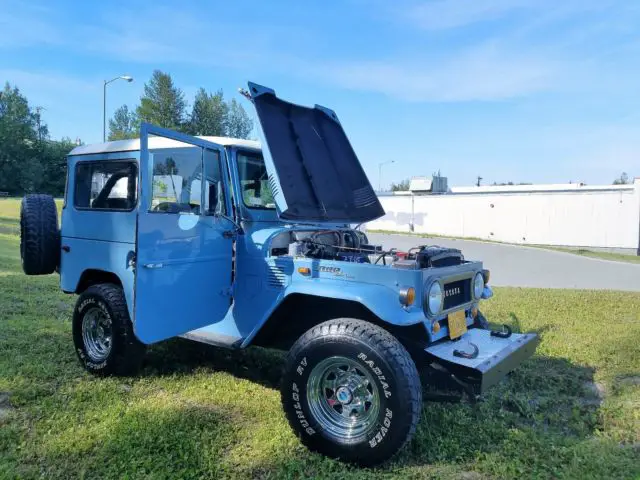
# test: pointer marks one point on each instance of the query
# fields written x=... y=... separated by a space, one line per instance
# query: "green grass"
x=617 y=257
x=199 y=412
x=10 y=215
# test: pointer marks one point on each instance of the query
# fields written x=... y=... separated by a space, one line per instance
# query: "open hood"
x=314 y=174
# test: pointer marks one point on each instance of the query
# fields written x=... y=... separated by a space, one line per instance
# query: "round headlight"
x=435 y=298
x=478 y=285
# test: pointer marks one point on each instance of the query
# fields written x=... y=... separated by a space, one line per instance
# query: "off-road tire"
x=380 y=354
x=127 y=352
x=39 y=235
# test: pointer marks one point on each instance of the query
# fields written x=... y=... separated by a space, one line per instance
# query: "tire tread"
x=39 y=234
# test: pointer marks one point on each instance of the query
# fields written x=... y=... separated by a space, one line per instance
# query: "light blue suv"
x=223 y=242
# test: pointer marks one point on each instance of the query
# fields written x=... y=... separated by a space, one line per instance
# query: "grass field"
x=585 y=252
x=572 y=411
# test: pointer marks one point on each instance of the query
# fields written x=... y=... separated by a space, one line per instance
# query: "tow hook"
x=472 y=355
x=505 y=333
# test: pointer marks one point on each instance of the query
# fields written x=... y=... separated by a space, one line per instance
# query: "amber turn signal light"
x=304 y=270
x=407 y=296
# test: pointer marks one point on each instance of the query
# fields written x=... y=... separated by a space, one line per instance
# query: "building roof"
x=157 y=142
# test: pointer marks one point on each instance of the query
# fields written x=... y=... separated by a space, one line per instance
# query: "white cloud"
x=448 y=14
x=481 y=73
x=50 y=81
x=445 y=14
x=24 y=24
x=499 y=67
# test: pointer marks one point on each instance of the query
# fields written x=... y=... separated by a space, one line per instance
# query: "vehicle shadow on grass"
x=544 y=398
x=259 y=365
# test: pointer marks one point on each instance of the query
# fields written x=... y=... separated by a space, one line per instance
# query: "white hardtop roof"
x=157 y=142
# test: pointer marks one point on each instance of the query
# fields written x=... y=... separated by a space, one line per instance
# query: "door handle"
x=153 y=265
x=229 y=234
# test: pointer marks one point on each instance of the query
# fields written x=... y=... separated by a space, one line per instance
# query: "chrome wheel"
x=343 y=397
x=97 y=334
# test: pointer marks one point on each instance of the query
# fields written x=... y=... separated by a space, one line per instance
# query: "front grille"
x=457 y=293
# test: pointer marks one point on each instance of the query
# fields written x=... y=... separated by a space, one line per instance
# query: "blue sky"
x=540 y=91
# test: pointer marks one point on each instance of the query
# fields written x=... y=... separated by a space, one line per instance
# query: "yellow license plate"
x=457 y=324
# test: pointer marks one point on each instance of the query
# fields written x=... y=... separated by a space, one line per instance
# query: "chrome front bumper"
x=480 y=359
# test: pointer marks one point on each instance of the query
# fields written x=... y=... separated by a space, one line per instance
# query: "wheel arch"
x=94 y=276
x=287 y=322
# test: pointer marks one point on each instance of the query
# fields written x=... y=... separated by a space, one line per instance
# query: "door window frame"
x=136 y=174
x=146 y=197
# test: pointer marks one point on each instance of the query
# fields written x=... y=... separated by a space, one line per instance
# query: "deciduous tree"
x=124 y=124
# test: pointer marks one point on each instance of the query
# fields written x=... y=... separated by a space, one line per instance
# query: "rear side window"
x=106 y=185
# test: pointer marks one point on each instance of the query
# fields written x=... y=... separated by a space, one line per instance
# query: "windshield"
x=254 y=183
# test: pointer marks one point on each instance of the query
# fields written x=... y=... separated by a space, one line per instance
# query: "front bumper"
x=495 y=356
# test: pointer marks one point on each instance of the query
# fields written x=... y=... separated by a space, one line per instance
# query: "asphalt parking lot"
x=520 y=266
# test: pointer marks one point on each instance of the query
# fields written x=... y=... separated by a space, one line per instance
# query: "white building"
x=573 y=215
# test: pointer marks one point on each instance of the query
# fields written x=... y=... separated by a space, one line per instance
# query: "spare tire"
x=39 y=235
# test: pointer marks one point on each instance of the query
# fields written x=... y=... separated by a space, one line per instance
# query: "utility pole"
x=380 y=173
x=38 y=122
x=479 y=180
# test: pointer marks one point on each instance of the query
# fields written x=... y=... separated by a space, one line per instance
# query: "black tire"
x=39 y=235
x=374 y=353
x=126 y=352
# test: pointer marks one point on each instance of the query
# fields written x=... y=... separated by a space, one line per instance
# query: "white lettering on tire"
x=386 y=424
x=301 y=366
x=295 y=395
x=378 y=372
x=86 y=302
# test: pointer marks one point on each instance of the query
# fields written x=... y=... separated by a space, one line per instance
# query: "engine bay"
x=352 y=245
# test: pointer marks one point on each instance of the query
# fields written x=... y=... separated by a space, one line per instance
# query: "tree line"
x=30 y=161
x=164 y=104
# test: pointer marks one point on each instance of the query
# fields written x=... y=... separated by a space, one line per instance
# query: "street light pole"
x=104 y=102
x=380 y=173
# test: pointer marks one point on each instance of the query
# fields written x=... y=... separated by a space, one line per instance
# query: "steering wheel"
x=173 y=207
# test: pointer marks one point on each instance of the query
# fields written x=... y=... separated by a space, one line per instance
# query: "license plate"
x=457 y=324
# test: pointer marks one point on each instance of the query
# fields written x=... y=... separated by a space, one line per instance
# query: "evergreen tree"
x=163 y=103
x=209 y=114
x=239 y=125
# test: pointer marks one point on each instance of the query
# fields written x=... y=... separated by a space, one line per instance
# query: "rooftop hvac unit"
x=435 y=184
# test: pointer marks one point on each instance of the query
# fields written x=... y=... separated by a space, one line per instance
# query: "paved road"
x=518 y=266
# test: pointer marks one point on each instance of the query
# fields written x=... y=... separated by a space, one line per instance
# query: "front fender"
x=381 y=300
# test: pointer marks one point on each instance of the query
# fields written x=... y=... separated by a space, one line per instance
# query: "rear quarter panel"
x=97 y=240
